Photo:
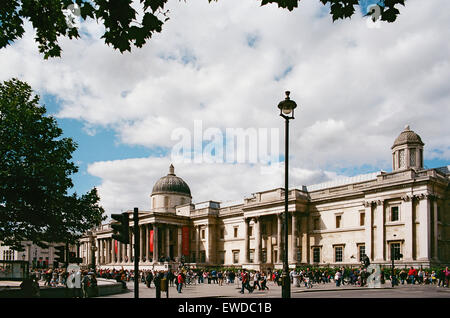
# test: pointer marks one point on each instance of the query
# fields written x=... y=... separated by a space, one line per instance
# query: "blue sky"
x=356 y=85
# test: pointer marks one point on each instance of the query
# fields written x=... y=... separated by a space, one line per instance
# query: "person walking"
x=447 y=276
x=245 y=282
x=85 y=283
x=149 y=278
x=403 y=276
x=264 y=281
x=220 y=278
x=256 y=278
x=412 y=275
x=180 y=281
x=337 y=278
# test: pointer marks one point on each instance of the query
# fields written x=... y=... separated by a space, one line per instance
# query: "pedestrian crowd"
x=84 y=283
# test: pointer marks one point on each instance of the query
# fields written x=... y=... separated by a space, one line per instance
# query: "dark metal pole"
x=286 y=290
x=136 y=252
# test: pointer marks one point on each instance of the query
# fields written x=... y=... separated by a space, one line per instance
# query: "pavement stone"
x=227 y=291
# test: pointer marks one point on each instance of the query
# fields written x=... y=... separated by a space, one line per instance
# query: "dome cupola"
x=407 y=151
x=169 y=192
x=171 y=184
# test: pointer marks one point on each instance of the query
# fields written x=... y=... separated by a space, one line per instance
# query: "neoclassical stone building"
x=330 y=224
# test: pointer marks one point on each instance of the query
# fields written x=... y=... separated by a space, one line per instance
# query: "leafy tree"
x=35 y=171
x=54 y=18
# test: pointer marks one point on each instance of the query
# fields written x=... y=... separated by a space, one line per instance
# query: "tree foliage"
x=52 y=19
x=35 y=169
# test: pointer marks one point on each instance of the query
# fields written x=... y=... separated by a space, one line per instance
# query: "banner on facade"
x=185 y=240
x=115 y=247
x=151 y=241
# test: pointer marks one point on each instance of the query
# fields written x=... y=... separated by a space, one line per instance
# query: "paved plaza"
x=318 y=291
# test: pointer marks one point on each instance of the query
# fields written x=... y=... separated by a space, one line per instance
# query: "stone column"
x=424 y=228
x=380 y=236
x=131 y=246
x=269 y=247
x=257 y=240
x=279 y=238
x=179 y=243
x=293 y=254
x=167 y=241
x=147 y=242
x=142 y=243
x=246 y=241
x=207 y=243
x=407 y=211
x=124 y=251
x=305 y=245
x=155 y=243
x=108 y=251
x=102 y=251
x=368 y=229
x=436 y=230
x=197 y=243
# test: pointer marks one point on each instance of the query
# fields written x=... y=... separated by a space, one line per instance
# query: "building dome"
x=171 y=184
x=407 y=136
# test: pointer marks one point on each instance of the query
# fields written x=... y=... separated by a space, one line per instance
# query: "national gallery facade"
x=330 y=224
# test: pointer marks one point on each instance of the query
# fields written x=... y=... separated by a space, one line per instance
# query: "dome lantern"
x=407 y=151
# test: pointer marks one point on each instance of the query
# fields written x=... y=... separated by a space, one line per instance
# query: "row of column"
x=292 y=253
x=125 y=252
x=420 y=243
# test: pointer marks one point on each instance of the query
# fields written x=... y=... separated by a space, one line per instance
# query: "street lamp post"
x=286 y=107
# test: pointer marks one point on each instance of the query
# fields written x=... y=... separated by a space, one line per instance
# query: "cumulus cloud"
x=228 y=64
x=128 y=183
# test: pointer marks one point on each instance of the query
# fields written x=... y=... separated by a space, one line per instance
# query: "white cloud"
x=355 y=87
x=128 y=183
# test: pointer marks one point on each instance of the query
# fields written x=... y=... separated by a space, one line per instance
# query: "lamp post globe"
x=286 y=107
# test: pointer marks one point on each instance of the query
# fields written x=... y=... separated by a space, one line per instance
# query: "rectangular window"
x=222 y=233
x=275 y=257
x=251 y=256
x=338 y=221
x=264 y=256
x=203 y=234
x=394 y=213
x=395 y=251
x=250 y=231
x=299 y=255
x=316 y=254
x=235 y=232
x=361 y=251
x=362 y=218
x=235 y=257
x=338 y=254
